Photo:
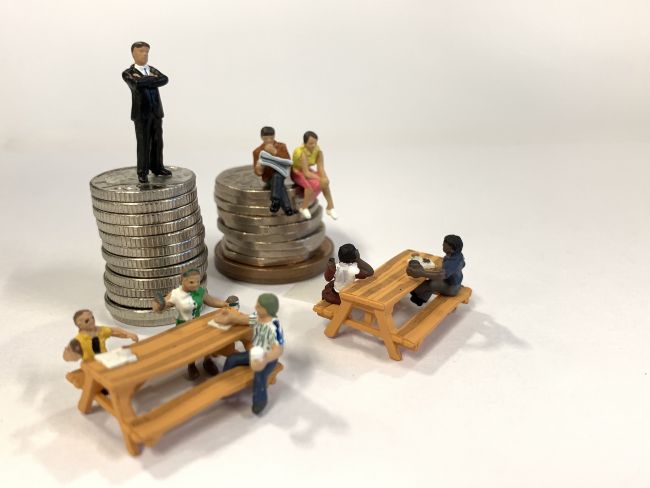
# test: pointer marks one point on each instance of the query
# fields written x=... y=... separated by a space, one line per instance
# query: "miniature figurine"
x=350 y=268
x=310 y=180
x=272 y=162
x=91 y=339
x=268 y=344
x=146 y=111
x=444 y=281
x=188 y=298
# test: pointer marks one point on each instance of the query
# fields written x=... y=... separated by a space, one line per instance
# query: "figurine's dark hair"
x=347 y=253
x=455 y=242
x=191 y=272
x=267 y=131
x=307 y=135
x=138 y=44
x=78 y=313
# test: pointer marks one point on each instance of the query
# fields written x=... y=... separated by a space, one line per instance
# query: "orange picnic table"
x=377 y=295
x=157 y=356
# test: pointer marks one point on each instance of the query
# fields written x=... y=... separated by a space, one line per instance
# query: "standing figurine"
x=91 y=339
x=350 y=268
x=312 y=181
x=268 y=344
x=188 y=298
x=146 y=111
x=271 y=161
x=446 y=280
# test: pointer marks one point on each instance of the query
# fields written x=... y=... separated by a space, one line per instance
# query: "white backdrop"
x=520 y=125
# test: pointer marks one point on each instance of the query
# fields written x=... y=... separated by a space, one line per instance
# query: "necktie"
x=146 y=72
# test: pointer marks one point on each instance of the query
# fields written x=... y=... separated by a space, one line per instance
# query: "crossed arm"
x=135 y=81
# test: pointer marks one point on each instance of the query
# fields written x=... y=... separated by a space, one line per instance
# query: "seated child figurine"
x=350 y=268
x=444 y=281
x=91 y=339
x=188 y=299
x=311 y=180
x=268 y=344
x=271 y=161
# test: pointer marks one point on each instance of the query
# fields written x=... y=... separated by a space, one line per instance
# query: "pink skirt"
x=301 y=180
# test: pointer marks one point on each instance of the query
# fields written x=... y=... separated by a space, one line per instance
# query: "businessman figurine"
x=146 y=111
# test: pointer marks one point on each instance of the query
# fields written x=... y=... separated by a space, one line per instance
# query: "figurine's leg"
x=277 y=184
x=156 y=164
x=238 y=359
x=330 y=295
x=260 y=381
x=327 y=193
x=141 y=139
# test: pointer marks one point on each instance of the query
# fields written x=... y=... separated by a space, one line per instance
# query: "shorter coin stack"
x=151 y=233
x=262 y=247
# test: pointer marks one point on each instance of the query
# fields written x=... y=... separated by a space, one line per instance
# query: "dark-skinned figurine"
x=350 y=268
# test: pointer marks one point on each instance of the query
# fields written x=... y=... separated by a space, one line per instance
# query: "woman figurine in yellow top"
x=312 y=181
x=91 y=339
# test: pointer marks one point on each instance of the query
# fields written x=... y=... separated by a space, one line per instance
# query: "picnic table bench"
x=377 y=295
x=158 y=355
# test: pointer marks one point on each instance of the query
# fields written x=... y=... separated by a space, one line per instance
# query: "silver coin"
x=275 y=224
x=150 y=230
x=140 y=293
x=253 y=210
x=142 y=303
x=155 y=262
x=146 y=219
x=164 y=283
x=305 y=244
x=152 y=252
x=144 y=207
x=195 y=262
x=289 y=232
x=153 y=241
x=257 y=261
x=121 y=185
x=139 y=317
x=240 y=185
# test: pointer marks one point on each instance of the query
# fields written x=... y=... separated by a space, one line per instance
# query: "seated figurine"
x=350 y=268
x=268 y=344
x=91 y=339
x=444 y=281
x=188 y=298
x=311 y=180
x=271 y=161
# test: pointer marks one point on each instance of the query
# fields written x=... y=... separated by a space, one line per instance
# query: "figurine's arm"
x=214 y=302
x=70 y=355
x=123 y=334
x=330 y=271
x=365 y=270
x=320 y=165
x=157 y=307
x=283 y=152
x=275 y=353
x=229 y=316
x=144 y=81
x=305 y=168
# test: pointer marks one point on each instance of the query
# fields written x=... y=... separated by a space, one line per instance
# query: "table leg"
x=386 y=329
x=125 y=415
x=90 y=389
x=340 y=316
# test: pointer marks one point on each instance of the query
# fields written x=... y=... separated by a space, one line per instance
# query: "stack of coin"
x=263 y=247
x=151 y=233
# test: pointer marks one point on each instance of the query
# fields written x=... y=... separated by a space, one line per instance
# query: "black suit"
x=147 y=114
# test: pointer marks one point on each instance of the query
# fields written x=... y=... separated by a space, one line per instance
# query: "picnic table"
x=158 y=355
x=377 y=295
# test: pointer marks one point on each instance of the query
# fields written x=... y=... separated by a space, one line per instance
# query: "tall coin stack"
x=151 y=233
x=262 y=247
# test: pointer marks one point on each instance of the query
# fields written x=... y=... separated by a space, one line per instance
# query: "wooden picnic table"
x=377 y=295
x=171 y=350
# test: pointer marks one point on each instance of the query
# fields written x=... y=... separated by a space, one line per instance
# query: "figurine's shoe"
x=192 y=372
x=288 y=211
x=143 y=179
x=210 y=367
x=163 y=172
x=275 y=206
x=415 y=299
x=305 y=213
x=258 y=407
x=332 y=213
